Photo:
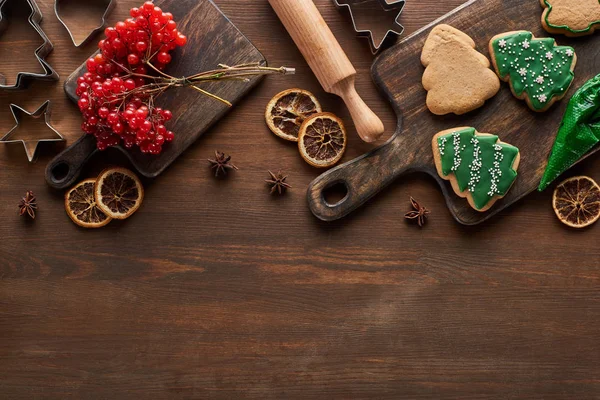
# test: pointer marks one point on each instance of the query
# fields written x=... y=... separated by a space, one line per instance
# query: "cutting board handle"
x=65 y=168
x=363 y=178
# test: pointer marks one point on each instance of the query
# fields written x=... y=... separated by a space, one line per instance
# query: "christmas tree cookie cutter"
x=35 y=18
x=390 y=35
x=59 y=4
x=18 y=113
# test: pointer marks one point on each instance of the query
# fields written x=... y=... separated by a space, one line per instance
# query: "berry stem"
x=165 y=81
x=212 y=96
x=148 y=63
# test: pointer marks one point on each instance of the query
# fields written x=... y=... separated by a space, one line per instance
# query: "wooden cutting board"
x=398 y=73
x=212 y=40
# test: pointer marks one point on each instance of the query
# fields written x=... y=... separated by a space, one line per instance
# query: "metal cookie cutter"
x=41 y=53
x=391 y=34
x=18 y=113
x=110 y=4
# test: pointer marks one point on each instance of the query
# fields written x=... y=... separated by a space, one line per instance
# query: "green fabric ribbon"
x=579 y=131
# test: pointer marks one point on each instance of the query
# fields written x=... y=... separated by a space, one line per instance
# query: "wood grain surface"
x=216 y=290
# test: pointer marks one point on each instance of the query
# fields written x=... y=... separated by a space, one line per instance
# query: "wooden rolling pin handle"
x=327 y=60
x=368 y=125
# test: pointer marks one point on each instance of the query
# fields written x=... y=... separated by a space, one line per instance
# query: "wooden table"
x=216 y=290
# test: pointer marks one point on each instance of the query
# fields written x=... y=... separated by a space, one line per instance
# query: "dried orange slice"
x=287 y=111
x=576 y=202
x=322 y=140
x=119 y=193
x=81 y=206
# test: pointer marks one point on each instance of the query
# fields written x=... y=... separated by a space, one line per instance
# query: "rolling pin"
x=327 y=60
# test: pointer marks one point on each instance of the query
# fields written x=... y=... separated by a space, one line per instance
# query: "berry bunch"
x=116 y=94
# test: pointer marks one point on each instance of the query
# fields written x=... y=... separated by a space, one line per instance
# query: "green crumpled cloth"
x=579 y=131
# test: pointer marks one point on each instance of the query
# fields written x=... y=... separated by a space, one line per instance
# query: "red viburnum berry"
x=116 y=107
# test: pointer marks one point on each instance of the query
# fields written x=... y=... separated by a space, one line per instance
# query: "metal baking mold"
x=109 y=7
x=18 y=113
x=23 y=78
x=390 y=35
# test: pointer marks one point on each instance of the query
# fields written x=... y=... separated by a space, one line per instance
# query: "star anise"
x=221 y=164
x=278 y=183
x=27 y=205
x=419 y=213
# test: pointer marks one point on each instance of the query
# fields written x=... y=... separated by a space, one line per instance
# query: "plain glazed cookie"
x=458 y=78
x=539 y=71
x=571 y=17
x=479 y=166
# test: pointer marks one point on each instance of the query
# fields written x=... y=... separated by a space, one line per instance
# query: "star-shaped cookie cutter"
x=18 y=113
x=397 y=5
x=35 y=18
x=110 y=5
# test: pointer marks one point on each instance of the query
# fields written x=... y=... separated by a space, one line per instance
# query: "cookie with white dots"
x=480 y=167
x=457 y=77
x=538 y=70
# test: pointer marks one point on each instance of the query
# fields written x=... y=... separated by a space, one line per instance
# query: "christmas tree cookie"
x=539 y=71
x=479 y=166
x=458 y=78
x=571 y=17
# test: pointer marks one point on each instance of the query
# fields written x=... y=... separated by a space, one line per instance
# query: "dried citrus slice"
x=576 y=202
x=322 y=140
x=287 y=111
x=119 y=192
x=81 y=206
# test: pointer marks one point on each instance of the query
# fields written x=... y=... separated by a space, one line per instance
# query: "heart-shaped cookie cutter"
x=110 y=4
x=35 y=18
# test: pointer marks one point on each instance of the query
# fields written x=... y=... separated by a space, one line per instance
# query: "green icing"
x=565 y=27
x=579 y=131
x=480 y=164
x=536 y=67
